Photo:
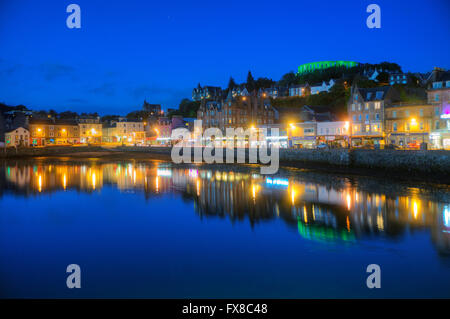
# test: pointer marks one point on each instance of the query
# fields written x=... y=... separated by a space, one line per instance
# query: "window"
x=437 y=85
x=421 y=112
x=407 y=113
x=437 y=125
x=377 y=105
x=379 y=95
x=394 y=126
x=353 y=106
x=436 y=97
x=359 y=117
x=421 y=125
x=407 y=126
x=394 y=114
x=354 y=118
x=436 y=111
x=367 y=117
x=377 y=116
x=367 y=105
x=367 y=128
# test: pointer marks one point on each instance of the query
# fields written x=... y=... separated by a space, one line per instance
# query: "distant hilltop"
x=313 y=66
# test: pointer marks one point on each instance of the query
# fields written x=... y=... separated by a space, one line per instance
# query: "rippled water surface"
x=151 y=229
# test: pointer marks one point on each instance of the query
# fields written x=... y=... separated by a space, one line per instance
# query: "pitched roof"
x=374 y=94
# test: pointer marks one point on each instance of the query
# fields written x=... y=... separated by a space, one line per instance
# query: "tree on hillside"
x=383 y=77
x=66 y=115
x=231 y=83
x=250 y=82
x=263 y=83
x=288 y=79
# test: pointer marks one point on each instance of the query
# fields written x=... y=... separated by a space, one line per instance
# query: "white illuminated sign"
x=445 y=116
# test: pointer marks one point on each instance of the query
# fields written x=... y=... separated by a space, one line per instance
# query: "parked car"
x=322 y=146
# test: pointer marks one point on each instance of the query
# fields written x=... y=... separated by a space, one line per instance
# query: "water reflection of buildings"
x=319 y=209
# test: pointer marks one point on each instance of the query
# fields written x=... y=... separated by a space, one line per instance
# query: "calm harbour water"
x=151 y=229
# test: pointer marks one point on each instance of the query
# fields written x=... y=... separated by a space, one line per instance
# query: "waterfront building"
x=110 y=134
x=408 y=125
x=439 y=97
x=90 y=129
x=366 y=113
x=130 y=132
x=53 y=132
x=18 y=137
x=302 y=135
x=334 y=132
x=2 y=128
x=163 y=131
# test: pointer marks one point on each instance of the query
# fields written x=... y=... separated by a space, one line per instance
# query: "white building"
x=131 y=132
x=332 y=130
x=18 y=137
x=324 y=87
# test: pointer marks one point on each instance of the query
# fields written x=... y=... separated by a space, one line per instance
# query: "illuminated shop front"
x=440 y=137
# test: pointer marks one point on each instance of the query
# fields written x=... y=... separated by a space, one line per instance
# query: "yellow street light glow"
x=413 y=121
x=39 y=129
x=292 y=126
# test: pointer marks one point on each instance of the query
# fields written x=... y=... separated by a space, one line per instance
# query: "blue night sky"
x=129 y=50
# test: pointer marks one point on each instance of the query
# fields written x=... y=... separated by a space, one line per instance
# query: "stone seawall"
x=399 y=160
x=436 y=162
x=404 y=160
x=336 y=157
x=11 y=152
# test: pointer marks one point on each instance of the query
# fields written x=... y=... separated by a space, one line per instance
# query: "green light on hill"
x=322 y=65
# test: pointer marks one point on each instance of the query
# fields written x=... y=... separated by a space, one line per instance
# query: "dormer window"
x=379 y=95
x=437 y=85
